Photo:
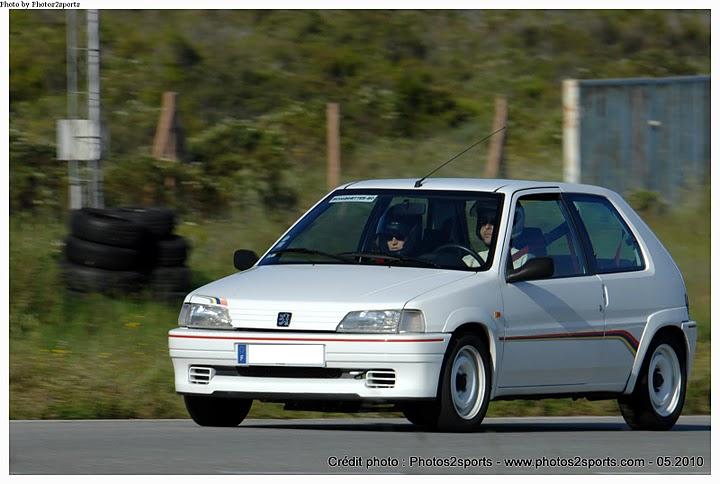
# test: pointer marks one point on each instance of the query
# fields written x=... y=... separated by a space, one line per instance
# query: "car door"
x=553 y=326
x=615 y=256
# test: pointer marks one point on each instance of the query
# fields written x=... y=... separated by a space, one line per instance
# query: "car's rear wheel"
x=659 y=395
x=217 y=412
x=465 y=385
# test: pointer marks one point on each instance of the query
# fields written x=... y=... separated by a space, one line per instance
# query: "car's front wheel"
x=657 y=401
x=217 y=412
x=465 y=385
x=421 y=414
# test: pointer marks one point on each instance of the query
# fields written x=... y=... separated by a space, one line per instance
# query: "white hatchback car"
x=434 y=300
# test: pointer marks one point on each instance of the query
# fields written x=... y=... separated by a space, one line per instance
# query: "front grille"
x=201 y=375
x=380 y=379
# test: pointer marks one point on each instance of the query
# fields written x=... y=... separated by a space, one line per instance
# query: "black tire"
x=217 y=412
x=171 y=251
x=422 y=414
x=159 y=221
x=90 y=279
x=638 y=409
x=92 y=254
x=166 y=280
x=106 y=227
x=467 y=370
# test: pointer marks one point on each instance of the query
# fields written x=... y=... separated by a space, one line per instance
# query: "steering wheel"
x=461 y=248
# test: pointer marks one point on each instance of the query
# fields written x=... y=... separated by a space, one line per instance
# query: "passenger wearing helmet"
x=485 y=214
x=484 y=228
x=398 y=233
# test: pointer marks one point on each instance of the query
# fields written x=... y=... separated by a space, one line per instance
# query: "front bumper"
x=415 y=360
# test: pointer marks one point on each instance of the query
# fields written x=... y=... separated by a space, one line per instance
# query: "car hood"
x=318 y=296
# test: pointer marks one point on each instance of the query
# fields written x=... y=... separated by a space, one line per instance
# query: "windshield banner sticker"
x=353 y=198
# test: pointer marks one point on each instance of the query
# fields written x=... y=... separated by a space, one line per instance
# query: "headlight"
x=204 y=316
x=383 y=321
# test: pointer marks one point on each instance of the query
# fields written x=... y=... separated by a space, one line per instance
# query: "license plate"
x=280 y=355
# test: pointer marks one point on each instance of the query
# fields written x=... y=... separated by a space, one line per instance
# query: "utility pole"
x=93 y=56
x=75 y=189
x=79 y=140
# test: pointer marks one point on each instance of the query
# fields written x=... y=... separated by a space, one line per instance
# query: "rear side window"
x=614 y=248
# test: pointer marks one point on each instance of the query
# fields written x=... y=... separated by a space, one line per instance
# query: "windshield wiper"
x=380 y=255
x=303 y=250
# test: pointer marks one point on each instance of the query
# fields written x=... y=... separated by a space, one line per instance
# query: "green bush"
x=235 y=163
x=37 y=180
x=419 y=105
x=244 y=158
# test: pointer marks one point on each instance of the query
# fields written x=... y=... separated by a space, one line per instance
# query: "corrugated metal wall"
x=642 y=134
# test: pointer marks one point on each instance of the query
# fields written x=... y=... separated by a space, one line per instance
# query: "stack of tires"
x=121 y=250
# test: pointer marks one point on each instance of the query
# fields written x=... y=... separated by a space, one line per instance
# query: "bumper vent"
x=278 y=372
x=201 y=375
x=380 y=379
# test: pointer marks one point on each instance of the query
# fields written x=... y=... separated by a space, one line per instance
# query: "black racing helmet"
x=396 y=222
x=485 y=211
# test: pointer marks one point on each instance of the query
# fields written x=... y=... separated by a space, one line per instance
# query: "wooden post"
x=169 y=143
x=333 y=145
x=163 y=147
x=496 y=153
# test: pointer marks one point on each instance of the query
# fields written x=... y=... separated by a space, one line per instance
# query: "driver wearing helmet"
x=398 y=234
x=484 y=227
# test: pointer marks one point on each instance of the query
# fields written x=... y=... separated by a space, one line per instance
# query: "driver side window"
x=541 y=228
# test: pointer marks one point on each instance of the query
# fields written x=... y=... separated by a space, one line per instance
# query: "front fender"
x=480 y=316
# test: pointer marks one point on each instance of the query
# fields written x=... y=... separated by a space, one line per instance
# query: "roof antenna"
x=419 y=182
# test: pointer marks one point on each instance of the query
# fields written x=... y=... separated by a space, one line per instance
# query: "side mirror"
x=244 y=259
x=536 y=268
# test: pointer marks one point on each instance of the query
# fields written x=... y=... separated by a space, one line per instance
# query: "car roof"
x=473 y=184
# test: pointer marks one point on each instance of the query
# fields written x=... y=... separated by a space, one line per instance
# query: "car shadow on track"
x=510 y=427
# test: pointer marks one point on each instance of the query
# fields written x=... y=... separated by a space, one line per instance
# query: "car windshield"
x=417 y=228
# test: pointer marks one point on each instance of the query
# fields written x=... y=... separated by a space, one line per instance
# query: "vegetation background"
x=414 y=88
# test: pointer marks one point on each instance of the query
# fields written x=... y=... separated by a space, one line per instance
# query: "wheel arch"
x=669 y=323
x=488 y=333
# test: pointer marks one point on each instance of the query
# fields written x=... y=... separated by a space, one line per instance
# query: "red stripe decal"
x=618 y=333
x=625 y=334
x=554 y=335
x=239 y=338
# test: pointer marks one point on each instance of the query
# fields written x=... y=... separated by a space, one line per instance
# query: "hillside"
x=414 y=87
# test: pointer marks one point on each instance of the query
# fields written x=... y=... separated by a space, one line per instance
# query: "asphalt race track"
x=557 y=445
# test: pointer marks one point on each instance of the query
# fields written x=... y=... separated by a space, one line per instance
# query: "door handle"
x=606 y=298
